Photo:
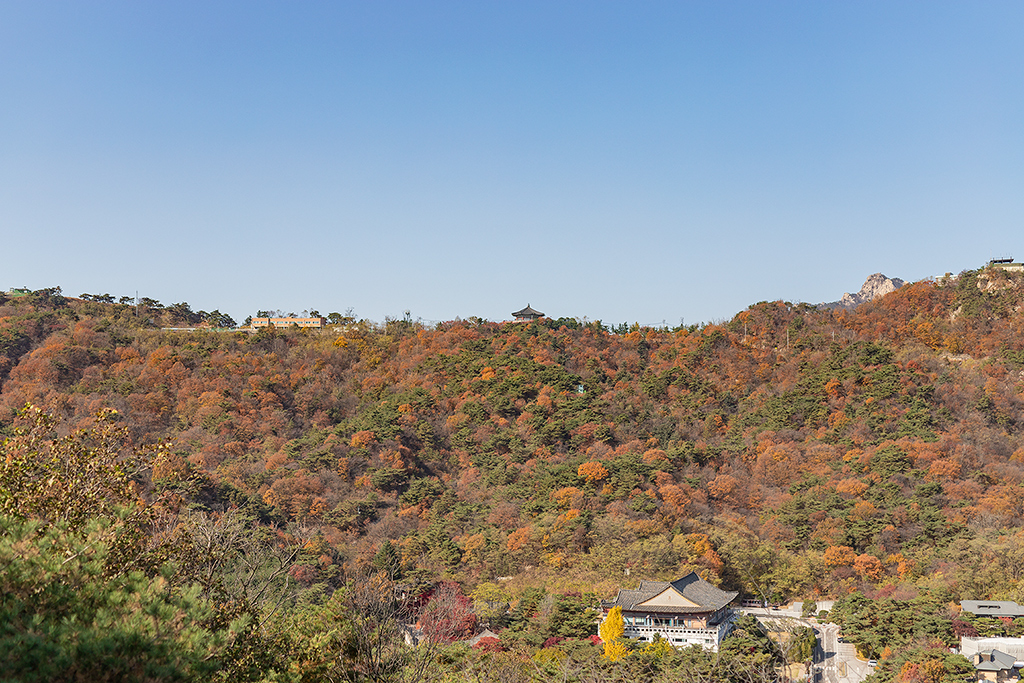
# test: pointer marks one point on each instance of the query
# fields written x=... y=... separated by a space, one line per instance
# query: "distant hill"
x=791 y=451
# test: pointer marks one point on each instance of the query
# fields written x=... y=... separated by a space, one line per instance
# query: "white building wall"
x=1011 y=646
x=709 y=638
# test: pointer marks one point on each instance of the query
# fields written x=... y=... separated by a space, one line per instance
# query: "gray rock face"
x=875 y=286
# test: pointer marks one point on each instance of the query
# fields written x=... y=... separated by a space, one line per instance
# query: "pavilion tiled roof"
x=528 y=313
x=708 y=597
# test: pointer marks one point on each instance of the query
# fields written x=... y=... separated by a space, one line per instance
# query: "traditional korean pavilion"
x=527 y=314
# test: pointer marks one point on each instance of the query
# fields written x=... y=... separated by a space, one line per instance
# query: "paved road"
x=834 y=662
x=827 y=656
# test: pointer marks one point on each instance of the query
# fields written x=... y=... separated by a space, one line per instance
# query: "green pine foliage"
x=63 y=617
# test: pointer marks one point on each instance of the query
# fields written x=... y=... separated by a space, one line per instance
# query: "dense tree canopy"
x=789 y=452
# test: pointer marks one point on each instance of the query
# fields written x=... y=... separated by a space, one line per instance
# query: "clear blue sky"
x=619 y=161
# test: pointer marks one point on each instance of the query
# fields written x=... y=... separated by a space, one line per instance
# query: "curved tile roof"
x=528 y=313
x=706 y=597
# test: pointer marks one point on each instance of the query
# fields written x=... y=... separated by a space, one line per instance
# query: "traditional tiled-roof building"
x=687 y=611
x=527 y=314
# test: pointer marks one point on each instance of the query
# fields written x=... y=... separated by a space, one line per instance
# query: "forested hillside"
x=788 y=453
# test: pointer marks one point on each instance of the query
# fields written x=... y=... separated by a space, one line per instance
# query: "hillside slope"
x=789 y=452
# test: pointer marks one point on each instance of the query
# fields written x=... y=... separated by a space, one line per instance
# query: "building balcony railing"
x=670 y=630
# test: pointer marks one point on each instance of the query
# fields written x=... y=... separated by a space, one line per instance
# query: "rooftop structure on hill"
x=1005 y=264
x=315 y=323
x=992 y=608
x=687 y=611
x=527 y=314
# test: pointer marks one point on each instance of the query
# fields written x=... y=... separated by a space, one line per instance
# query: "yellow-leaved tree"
x=611 y=631
x=659 y=647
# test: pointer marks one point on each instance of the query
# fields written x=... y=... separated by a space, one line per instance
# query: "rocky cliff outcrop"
x=875 y=286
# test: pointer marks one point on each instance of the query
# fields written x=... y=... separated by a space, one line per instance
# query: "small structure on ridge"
x=315 y=323
x=527 y=314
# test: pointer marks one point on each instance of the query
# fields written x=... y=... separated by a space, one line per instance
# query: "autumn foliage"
x=789 y=451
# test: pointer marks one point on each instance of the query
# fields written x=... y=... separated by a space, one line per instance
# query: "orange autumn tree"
x=868 y=567
x=592 y=472
x=839 y=556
